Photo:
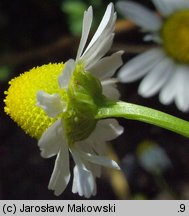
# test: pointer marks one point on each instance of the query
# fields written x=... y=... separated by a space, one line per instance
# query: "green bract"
x=83 y=95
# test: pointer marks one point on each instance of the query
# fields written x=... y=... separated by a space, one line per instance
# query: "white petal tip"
x=115 y=165
x=144 y=93
x=122 y=77
x=58 y=193
x=183 y=108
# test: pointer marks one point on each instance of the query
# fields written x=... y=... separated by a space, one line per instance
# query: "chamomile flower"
x=57 y=104
x=166 y=67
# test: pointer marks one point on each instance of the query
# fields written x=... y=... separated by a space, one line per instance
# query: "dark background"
x=35 y=32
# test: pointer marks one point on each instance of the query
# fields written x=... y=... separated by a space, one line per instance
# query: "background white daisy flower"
x=88 y=153
x=166 y=68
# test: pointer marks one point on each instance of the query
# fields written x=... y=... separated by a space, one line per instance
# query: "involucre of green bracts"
x=84 y=95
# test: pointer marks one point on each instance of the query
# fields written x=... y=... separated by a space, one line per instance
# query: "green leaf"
x=74 y=11
x=4 y=73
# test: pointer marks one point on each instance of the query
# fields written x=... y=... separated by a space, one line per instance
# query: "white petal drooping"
x=52 y=104
x=51 y=140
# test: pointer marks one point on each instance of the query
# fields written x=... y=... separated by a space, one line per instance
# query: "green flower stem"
x=144 y=114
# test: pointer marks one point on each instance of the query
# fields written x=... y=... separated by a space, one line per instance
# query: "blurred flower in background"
x=148 y=166
x=152 y=157
x=166 y=68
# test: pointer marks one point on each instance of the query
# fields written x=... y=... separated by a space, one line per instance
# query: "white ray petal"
x=105 y=25
x=155 y=79
x=65 y=77
x=102 y=40
x=51 y=139
x=140 y=65
x=97 y=51
x=95 y=169
x=86 y=146
x=182 y=98
x=110 y=91
x=61 y=173
x=87 y=21
x=163 y=6
x=94 y=190
x=168 y=92
x=98 y=146
x=83 y=181
x=139 y=15
x=75 y=181
x=186 y=95
x=107 y=66
x=106 y=130
x=52 y=104
x=100 y=160
x=155 y=37
x=167 y=7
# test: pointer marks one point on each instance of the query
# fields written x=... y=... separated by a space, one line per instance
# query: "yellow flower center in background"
x=21 y=98
x=175 y=35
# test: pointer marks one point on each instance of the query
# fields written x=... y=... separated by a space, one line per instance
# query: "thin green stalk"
x=144 y=114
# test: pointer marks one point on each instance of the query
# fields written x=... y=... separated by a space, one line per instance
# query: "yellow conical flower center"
x=175 y=35
x=21 y=98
